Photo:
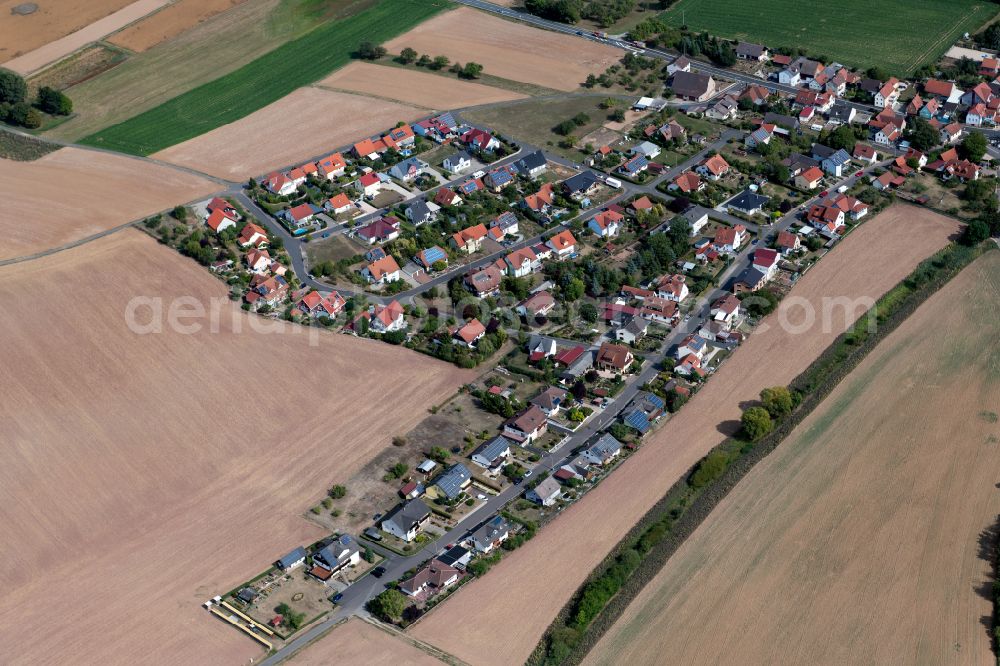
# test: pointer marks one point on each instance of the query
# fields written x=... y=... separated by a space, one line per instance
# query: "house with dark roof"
x=431 y=579
x=692 y=86
x=747 y=202
x=453 y=481
x=420 y=212
x=459 y=162
x=490 y=535
x=750 y=280
x=550 y=400
x=527 y=426
x=339 y=553
x=293 y=559
x=603 y=451
x=747 y=51
x=407 y=520
x=408 y=169
x=532 y=164
x=456 y=556
x=493 y=454
x=581 y=184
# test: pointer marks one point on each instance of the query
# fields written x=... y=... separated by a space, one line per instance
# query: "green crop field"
x=898 y=35
x=262 y=81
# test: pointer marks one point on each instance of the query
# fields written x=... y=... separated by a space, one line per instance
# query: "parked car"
x=859 y=173
x=824 y=193
x=337 y=598
x=378 y=572
x=373 y=534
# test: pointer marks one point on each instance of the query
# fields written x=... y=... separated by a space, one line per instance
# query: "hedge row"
x=565 y=641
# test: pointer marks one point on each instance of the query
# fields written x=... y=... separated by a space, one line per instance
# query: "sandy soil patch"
x=530 y=585
x=73 y=193
x=860 y=534
x=169 y=23
x=509 y=50
x=358 y=642
x=52 y=20
x=300 y=126
x=419 y=88
x=145 y=472
x=49 y=52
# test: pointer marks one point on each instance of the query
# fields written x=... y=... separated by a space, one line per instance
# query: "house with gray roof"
x=420 y=212
x=546 y=492
x=836 y=163
x=490 y=535
x=459 y=162
x=693 y=86
x=493 y=454
x=339 y=553
x=453 y=481
x=408 y=169
x=293 y=559
x=747 y=202
x=407 y=520
x=532 y=164
x=604 y=450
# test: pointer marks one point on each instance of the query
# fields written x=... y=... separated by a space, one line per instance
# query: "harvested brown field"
x=74 y=193
x=508 y=50
x=51 y=21
x=83 y=65
x=530 y=585
x=146 y=471
x=859 y=539
x=169 y=22
x=68 y=42
x=298 y=127
x=358 y=642
x=412 y=87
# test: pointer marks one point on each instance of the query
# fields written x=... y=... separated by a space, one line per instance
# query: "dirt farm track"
x=146 y=471
x=529 y=586
x=858 y=540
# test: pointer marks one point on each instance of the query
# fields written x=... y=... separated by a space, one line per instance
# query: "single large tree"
x=757 y=423
x=973 y=146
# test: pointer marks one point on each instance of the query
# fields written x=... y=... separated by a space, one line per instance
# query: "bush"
x=777 y=401
x=13 y=89
x=338 y=491
x=53 y=102
x=709 y=469
x=757 y=423
x=389 y=605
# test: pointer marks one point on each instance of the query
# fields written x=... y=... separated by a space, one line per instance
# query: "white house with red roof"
x=387 y=318
x=258 y=261
x=316 y=305
x=687 y=182
x=671 y=287
x=280 y=184
x=218 y=222
x=950 y=133
x=332 y=166
x=788 y=242
x=252 y=235
x=339 y=203
x=766 y=261
x=381 y=270
x=369 y=184
x=729 y=239
x=888 y=94
x=480 y=139
x=563 y=244
x=713 y=168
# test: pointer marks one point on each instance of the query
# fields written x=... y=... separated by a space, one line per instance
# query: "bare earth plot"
x=145 y=472
x=358 y=642
x=72 y=194
x=297 y=127
x=169 y=22
x=509 y=50
x=529 y=586
x=60 y=48
x=419 y=88
x=52 y=20
x=857 y=540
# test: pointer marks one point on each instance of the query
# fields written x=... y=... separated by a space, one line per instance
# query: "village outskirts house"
x=407 y=520
x=526 y=427
x=613 y=359
x=490 y=535
x=546 y=492
x=603 y=451
x=494 y=454
x=693 y=86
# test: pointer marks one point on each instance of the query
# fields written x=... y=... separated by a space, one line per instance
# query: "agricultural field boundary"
x=297 y=63
x=678 y=521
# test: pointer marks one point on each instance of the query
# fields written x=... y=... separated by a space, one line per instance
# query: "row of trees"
x=17 y=109
x=603 y=12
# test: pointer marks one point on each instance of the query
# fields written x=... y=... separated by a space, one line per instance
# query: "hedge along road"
x=262 y=81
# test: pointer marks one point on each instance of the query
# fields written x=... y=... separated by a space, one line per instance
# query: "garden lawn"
x=898 y=35
x=262 y=81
